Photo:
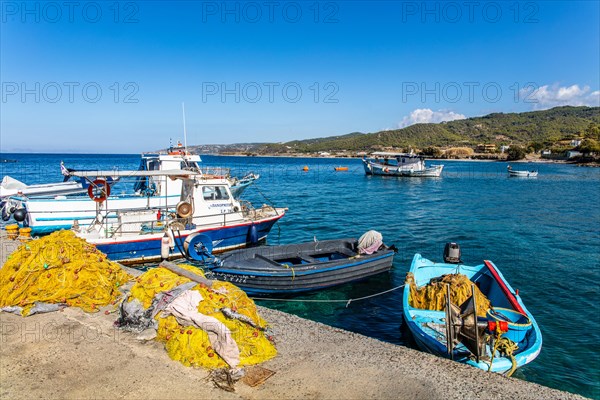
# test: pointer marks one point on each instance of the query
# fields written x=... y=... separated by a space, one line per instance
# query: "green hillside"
x=544 y=127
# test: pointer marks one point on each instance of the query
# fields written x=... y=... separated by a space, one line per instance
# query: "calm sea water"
x=543 y=233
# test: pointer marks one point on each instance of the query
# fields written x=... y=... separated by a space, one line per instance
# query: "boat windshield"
x=190 y=165
x=215 y=193
x=144 y=184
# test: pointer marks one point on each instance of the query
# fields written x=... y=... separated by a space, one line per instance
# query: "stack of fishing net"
x=59 y=269
x=433 y=295
x=190 y=345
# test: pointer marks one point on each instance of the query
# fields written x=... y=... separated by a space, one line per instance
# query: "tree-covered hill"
x=544 y=127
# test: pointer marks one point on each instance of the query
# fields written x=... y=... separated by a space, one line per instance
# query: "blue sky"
x=111 y=77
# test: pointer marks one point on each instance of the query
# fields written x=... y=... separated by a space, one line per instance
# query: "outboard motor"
x=452 y=253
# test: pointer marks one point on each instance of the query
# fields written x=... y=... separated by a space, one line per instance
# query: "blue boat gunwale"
x=430 y=344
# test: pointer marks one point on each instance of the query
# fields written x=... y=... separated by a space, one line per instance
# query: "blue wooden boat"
x=302 y=267
x=432 y=329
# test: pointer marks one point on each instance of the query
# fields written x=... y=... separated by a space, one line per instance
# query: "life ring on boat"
x=386 y=170
x=104 y=190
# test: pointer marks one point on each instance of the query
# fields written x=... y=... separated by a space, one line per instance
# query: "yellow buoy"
x=305 y=168
x=24 y=234
x=11 y=231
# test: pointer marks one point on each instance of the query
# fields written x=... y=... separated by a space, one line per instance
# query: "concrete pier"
x=74 y=355
x=7 y=246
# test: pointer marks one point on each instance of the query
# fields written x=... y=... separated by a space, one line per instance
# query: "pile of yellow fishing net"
x=433 y=295
x=190 y=345
x=60 y=268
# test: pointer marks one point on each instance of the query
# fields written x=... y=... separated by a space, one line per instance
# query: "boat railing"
x=112 y=225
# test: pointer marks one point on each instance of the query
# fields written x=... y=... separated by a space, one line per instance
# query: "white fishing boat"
x=11 y=186
x=238 y=185
x=400 y=164
x=521 y=174
x=45 y=213
x=205 y=213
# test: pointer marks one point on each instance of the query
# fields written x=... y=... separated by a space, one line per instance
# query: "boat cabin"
x=157 y=185
x=397 y=159
x=211 y=199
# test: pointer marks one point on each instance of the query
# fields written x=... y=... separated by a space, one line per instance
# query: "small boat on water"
x=296 y=268
x=400 y=164
x=238 y=185
x=11 y=186
x=521 y=174
x=340 y=168
x=491 y=330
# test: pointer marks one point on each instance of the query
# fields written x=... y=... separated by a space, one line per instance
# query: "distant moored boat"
x=400 y=164
x=522 y=174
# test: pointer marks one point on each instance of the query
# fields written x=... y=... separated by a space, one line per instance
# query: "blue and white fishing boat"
x=400 y=164
x=205 y=209
x=48 y=212
x=301 y=267
x=506 y=338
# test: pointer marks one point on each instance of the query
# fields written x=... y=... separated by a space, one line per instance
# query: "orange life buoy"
x=386 y=170
x=104 y=190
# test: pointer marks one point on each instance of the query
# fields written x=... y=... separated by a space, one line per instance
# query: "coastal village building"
x=485 y=148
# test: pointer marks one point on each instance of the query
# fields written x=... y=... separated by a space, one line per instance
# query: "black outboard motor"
x=452 y=253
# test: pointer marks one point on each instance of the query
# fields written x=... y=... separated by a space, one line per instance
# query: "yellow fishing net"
x=433 y=295
x=190 y=345
x=60 y=268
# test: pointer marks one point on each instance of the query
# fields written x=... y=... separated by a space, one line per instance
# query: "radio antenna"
x=184 y=130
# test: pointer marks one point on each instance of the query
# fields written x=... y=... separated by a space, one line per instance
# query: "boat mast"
x=184 y=130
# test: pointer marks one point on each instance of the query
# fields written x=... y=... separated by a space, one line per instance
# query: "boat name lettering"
x=233 y=278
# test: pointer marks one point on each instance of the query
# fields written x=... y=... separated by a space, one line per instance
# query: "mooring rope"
x=332 y=300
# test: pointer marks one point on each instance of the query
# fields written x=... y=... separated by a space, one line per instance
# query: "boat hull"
x=421 y=323
x=319 y=265
x=523 y=174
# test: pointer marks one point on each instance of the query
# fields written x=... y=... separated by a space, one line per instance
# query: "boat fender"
x=20 y=215
x=104 y=190
x=165 y=247
x=253 y=235
x=184 y=209
x=198 y=246
x=5 y=213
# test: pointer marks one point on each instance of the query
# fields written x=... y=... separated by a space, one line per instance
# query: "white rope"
x=329 y=301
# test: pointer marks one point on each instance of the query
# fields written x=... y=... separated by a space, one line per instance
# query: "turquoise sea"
x=543 y=234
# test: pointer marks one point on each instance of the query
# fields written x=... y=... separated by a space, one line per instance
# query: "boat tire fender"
x=104 y=190
x=198 y=246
